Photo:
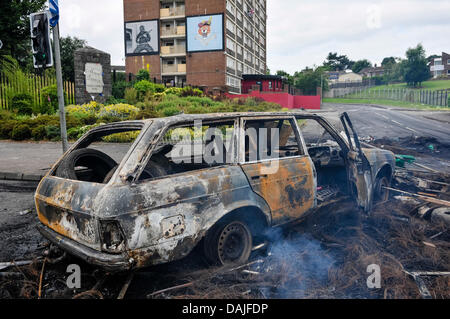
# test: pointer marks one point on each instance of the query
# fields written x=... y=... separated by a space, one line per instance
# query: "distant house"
x=372 y=72
x=343 y=77
x=440 y=67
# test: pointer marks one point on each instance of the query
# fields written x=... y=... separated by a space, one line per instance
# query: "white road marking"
x=397 y=122
x=411 y=129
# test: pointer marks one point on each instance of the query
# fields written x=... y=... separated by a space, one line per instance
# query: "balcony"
x=174 y=32
x=172 y=13
x=173 y=69
x=174 y=50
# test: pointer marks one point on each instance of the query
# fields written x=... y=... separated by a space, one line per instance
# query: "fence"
x=32 y=84
x=352 y=84
x=428 y=97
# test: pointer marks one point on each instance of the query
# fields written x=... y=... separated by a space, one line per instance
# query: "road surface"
x=380 y=122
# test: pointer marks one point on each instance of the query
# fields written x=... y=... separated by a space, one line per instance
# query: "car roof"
x=220 y=116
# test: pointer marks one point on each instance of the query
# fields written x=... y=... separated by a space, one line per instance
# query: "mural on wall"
x=205 y=33
x=141 y=38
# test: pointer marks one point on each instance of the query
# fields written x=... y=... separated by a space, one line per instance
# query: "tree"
x=338 y=62
x=309 y=80
x=360 y=65
x=388 y=61
x=15 y=28
x=416 y=66
x=289 y=77
x=68 y=47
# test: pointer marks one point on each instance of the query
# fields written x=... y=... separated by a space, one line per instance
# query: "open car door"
x=359 y=168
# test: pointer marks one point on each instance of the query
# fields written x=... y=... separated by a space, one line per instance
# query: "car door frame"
x=279 y=218
x=359 y=183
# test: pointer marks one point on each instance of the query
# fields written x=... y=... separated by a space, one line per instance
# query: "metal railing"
x=172 y=12
x=173 y=68
x=174 y=49
x=181 y=30
x=415 y=96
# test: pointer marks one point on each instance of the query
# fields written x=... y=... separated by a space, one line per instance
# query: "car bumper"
x=107 y=261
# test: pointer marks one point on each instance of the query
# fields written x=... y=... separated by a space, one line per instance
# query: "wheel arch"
x=385 y=171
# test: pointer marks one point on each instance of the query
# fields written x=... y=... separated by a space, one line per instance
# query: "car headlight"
x=112 y=238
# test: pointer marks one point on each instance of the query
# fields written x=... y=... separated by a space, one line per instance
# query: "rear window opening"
x=97 y=156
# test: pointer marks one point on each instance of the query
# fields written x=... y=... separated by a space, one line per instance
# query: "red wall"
x=284 y=99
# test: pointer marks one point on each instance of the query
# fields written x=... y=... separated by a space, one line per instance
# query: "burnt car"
x=175 y=186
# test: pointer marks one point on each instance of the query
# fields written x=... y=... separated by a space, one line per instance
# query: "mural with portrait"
x=205 y=33
x=141 y=38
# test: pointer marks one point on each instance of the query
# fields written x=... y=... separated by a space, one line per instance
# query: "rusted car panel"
x=132 y=223
x=66 y=207
x=173 y=214
x=290 y=192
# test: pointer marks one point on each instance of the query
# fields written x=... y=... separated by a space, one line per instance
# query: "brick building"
x=203 y=43
x=440 y=67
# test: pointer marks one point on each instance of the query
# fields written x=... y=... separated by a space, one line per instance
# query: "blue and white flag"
x=54 y=12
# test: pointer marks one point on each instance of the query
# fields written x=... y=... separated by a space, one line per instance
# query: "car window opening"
x=98 y=156
x=191 y=147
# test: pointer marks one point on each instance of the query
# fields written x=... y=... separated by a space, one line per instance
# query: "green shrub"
x=23 y=103
x=6 y=115
x=448 y=102
x=21 y=132
x=121 y=111
x=53 y=132
x=49 y=100
x=6 y=128
x=73 y=121
x=143 y=75
x=118 y=89
x=174 y=91
x=189 y=91
x=74 y=133
x=131 y=95
x=39 y=133
x=170 y=111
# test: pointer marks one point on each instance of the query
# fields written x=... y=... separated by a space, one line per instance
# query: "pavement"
x=29 y=161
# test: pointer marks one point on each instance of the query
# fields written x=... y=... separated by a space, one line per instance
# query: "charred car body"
x=159 y=202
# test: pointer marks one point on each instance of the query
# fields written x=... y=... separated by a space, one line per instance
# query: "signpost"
x=54 y=22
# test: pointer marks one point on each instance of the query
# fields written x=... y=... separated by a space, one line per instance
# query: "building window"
x=230 y=45
x=231 y=63
x=231 y=26
x=448 y=61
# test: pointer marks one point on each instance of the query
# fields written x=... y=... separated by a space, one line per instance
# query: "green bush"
x=39 y=133
x=171 y=111
x=6 y=128
x=118 y=89
x=21 y=132
x=131 y=95
x=189 y=91
x=53 y=132
x=73 y=133
x=143 y=75
x=448 y=102
x=23 y=103
x=49 y=100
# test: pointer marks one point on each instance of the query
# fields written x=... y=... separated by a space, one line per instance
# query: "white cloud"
x=300 y=32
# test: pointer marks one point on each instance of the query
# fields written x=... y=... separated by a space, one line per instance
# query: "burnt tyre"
x=228 y=242
x=87 y=165
x=381 y=194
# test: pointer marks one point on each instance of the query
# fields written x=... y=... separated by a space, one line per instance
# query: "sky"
x=301 y=33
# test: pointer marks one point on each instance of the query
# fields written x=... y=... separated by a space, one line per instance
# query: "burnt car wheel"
x=381 y=194
x=228 y=243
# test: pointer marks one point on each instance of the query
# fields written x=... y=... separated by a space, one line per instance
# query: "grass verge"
x=387 y=103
